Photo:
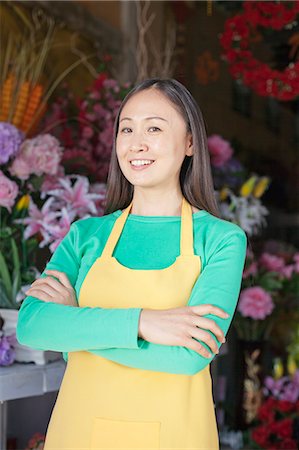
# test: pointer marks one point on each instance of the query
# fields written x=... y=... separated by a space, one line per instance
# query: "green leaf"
x=4 y=300
x=15 y=255
x=4 y=276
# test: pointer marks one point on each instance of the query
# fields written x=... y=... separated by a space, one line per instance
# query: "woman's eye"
x=156 y=128
x=123 y=129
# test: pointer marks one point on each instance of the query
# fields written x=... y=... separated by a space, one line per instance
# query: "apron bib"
x=102 y=404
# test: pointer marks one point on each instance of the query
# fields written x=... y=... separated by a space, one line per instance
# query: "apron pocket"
x=124 y=434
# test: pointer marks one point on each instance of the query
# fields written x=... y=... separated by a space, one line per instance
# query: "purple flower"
x=7 y=353
x=10 y=141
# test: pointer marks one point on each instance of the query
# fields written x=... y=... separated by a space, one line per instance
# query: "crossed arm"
x=113 y=333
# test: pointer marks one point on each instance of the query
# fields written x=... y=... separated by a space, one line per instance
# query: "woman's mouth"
x=141 y=164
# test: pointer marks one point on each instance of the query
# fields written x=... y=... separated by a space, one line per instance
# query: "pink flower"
x=77 y=195
x=51 y=181
x=38 y=219
x=255 y=303
x=20 y=168
x=287 y=271
x=40 y=155
x=55 y=232
x=271 y=262
x=251 y=270
x=87 y=132
x=220 y=150
x=8 y=191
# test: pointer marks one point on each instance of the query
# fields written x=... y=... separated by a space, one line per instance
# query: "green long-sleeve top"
x=146 y=242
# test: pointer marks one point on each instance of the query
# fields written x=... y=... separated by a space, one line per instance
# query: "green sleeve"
x=52 y=326
x=218 y=284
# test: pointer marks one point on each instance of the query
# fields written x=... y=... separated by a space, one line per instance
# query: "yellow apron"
x=102 y=404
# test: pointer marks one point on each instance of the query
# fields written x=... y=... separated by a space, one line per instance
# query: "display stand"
x=26 y=380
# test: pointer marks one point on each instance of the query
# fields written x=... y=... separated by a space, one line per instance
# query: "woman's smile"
x=141 y=164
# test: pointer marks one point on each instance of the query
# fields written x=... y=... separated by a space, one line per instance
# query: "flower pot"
x=23 y=352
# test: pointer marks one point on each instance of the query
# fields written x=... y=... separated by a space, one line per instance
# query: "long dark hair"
x=195 y=176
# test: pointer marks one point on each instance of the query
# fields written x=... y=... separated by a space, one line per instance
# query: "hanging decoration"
x=237 y=37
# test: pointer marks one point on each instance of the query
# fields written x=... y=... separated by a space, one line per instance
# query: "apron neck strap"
x=186 y=233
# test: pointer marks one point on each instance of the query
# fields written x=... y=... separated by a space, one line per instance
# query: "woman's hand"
x=50 y=290
x=178 y=326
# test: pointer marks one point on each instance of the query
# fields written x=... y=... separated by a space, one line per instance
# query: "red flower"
x=266 y=413
x=287 y=444
x=98 y=83
x=284 y=428
x=286 y=406
x=260 y=435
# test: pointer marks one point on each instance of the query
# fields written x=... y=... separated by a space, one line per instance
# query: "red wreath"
x=235 y=40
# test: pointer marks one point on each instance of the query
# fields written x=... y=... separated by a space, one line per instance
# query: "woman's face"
x=150 y=128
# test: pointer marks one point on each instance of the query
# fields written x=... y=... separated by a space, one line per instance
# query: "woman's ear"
x=190 y=150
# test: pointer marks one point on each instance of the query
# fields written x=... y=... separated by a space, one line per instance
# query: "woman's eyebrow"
x=147 y=118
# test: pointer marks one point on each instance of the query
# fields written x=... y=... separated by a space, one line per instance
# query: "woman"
x=140 y=299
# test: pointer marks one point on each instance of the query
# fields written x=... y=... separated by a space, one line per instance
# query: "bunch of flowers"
x=238 y=193
x=37 y=205
x=85 y=126
x=235 y=41
x=7 y=351
x=270 y=288
x=277 y=422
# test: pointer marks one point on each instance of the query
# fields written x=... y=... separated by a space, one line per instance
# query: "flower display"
x=38 y=203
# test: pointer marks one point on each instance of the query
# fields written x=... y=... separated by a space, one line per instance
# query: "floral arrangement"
x=241 y=29
x=238 y=193
x=84 y=126
x=38 y=202
x=277 y=422
x=270 y=288
x=36 y=442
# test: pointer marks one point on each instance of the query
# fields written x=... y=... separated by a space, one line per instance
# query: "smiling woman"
x=147 y=291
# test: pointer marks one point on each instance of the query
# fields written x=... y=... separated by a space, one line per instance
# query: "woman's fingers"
x=209 y=309
x=209 y=324
x=197 y=347
x=205 y=337
x=49 y=281
x=62 y=277
x=48 y=289
x=41 y=294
